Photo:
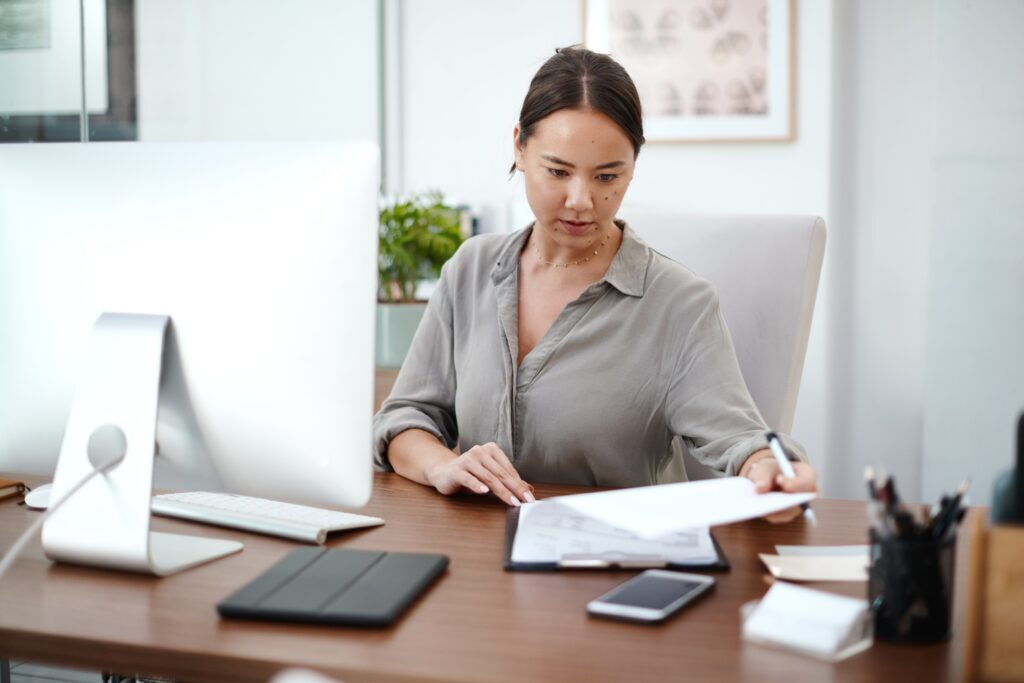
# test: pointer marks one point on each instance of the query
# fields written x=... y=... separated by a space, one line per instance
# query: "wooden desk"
x=477 y=623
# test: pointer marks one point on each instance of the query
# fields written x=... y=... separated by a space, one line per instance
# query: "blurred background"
x=906 y=136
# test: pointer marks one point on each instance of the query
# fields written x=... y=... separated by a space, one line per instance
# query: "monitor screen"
x=264 y=257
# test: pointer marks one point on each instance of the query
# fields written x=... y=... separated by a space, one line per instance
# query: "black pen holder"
x=910 y=588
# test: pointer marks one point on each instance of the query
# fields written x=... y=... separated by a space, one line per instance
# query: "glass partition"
x=189 y=70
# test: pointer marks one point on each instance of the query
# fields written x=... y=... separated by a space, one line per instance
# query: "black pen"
x=950 y=515
x=775 y=445
x=876 y=516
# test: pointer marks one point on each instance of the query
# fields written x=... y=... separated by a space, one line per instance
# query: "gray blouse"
x=640 y=357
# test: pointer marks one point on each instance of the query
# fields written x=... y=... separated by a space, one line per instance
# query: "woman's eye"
x=607 y=177
x=558 y=172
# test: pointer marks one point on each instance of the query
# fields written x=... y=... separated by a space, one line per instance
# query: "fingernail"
x=529 y=497
x=482 y=489
x=514 y=501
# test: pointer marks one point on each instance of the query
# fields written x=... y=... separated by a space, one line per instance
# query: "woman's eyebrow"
x=561 y=162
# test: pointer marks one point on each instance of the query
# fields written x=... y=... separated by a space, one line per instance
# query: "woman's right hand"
x=481 y=469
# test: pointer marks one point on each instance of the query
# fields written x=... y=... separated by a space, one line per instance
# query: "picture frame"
x=706 y=70
x=112 y=112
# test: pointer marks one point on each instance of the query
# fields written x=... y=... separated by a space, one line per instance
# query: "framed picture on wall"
x=706 y=70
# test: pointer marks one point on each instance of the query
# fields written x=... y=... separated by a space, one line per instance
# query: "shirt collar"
x=627 y=272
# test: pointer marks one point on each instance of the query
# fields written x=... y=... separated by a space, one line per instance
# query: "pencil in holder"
x=910 y=587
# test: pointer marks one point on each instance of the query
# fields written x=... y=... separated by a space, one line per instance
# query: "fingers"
x=490 y=466
x=468 y=481
x=782 y=516
x=522 y=490
x=493 y=482
x=763 y=473
x=806 y=479
x=767 y=476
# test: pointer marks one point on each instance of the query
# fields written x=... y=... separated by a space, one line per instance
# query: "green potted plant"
x=417 y=235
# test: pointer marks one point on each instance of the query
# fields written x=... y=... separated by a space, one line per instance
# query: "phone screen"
x=652 y=592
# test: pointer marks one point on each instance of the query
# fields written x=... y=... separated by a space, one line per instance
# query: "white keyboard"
x=288 y=520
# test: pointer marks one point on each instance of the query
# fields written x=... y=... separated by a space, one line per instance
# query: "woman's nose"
x=578 y=197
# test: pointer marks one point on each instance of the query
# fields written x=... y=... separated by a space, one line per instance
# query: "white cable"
x=12 y=553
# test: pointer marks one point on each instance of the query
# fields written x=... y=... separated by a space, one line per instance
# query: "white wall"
x=881 y=222
x=975 y=356
x=926 y=373
x=466 y=66
x=242 y=70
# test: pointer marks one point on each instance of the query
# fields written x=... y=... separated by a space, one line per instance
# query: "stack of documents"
x=550 y=532
x=669 y=522
x=820 y=624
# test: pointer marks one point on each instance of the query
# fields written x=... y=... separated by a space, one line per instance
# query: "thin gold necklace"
x=577 y=262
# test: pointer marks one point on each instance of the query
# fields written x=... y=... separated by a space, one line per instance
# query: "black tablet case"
x=512 y=525
x=319 y=585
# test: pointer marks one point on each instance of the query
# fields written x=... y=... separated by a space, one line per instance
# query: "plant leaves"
x=417 y=236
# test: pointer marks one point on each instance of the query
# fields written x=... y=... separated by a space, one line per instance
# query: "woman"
x=570 y=351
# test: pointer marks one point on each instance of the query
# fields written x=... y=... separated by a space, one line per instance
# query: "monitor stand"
x=106 y=523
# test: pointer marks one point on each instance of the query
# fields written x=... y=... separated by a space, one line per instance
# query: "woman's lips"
x=576 y=227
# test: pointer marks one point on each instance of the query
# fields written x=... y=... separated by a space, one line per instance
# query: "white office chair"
x=766 y=271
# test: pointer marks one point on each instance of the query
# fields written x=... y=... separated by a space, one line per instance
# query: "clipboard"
x=603 y=561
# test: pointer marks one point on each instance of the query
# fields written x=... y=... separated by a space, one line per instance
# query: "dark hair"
x=576 y=78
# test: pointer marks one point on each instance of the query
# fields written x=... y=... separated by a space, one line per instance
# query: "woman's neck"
x=545 y=254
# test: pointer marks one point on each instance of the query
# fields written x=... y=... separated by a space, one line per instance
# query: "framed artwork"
x=706 y=70
x=40 y=42
x=24 y=24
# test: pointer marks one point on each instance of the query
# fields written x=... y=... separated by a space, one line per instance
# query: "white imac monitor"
x=264 y=258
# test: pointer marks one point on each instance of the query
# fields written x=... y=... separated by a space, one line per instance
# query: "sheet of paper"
x=817 y=568
x=653 y=511
x=819 y=550
x=549 y=531
x=813 y=621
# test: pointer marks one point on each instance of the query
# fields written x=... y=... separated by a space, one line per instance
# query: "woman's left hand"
x=767 y=476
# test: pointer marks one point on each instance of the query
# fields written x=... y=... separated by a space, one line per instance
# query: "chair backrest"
x=766 y=270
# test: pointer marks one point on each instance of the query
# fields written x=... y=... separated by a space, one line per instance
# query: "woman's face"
x=577 y=166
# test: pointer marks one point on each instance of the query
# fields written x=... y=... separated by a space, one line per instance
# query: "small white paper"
x=301 y=676
x=823 y=550
x=549 y=531
x=817 y=567
x=813 y=622
x=653 y=511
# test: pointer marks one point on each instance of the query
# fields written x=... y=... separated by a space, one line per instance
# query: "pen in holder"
x=910 y=588
x=910 y=584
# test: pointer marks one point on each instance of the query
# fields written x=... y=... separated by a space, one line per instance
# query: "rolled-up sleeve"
x=707 y=402
x=424 y=393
